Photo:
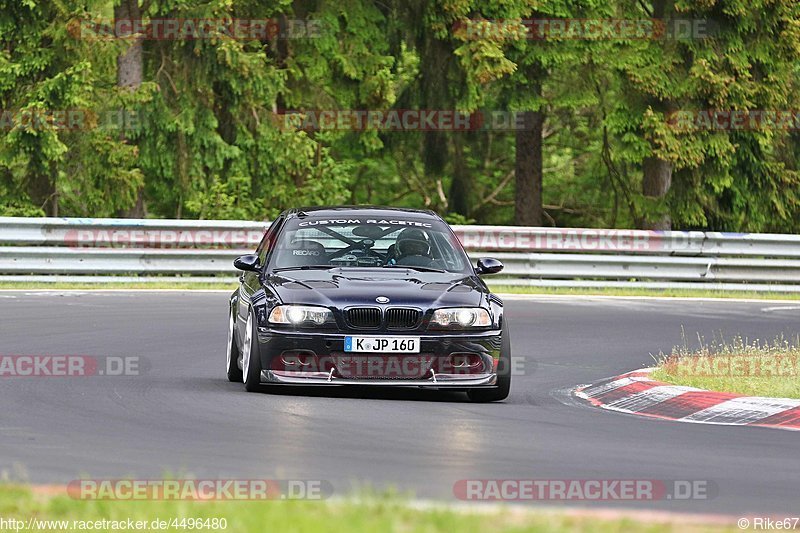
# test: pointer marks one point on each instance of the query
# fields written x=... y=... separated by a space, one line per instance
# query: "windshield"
x=372 y=243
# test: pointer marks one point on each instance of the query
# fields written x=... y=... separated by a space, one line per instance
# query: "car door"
x=250 y=282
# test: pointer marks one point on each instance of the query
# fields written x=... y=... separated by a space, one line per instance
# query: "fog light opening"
x=294 y=360
x=465 y=360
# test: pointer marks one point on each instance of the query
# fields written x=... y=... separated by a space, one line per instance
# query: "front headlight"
x=300 y=314
x=464 y=317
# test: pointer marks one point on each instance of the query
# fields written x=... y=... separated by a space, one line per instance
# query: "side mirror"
x=487 y=265
x=248 y=263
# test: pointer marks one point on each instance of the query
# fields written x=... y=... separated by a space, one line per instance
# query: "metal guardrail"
x=97 y=250
x=129 y=233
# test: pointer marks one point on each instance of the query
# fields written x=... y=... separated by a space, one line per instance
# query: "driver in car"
x=411 y=248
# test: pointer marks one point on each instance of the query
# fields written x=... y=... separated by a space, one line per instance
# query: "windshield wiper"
x=418 y=268
x=304 y=267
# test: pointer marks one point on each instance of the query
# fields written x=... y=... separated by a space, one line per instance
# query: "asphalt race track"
x=182 y=417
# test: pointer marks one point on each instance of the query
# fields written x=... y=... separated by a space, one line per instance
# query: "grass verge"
x=752 y=368
x=500 y=289
x=375 y=513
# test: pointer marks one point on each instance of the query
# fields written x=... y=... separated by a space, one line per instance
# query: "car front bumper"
x=482 y=348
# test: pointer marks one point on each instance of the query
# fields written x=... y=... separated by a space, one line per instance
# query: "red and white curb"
x=636 y=393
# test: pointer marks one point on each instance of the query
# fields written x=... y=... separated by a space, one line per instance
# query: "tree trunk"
x=656 y=182
x=42 y=190
x=129 y=63
x=130 y=72
x=462 y=187
x=436 y=55
x=657 y=173
x=528 y=170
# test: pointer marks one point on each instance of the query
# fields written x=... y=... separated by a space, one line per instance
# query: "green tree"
x=58 y=146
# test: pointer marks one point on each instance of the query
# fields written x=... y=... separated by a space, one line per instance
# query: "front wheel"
x=232 y=354
x=503 y=375
x=251 y=362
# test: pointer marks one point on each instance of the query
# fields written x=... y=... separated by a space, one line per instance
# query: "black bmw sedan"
x=367 y=296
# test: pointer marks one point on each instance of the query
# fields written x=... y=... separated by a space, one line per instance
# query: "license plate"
x=381 y=344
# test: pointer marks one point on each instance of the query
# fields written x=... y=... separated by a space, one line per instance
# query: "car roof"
x=360 y=210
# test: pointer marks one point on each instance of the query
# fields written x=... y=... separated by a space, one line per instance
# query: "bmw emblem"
x=382 y=300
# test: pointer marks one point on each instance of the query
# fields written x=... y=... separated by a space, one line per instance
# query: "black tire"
x=503 y=388
x=251 y=359
x=233 y=354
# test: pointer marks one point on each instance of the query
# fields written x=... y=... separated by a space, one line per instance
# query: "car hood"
x=404 y=287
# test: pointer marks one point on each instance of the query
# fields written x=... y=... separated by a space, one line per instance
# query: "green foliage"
x=55 y=147
x=203 y=135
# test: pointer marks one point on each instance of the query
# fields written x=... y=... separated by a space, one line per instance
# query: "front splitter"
x=438 y=381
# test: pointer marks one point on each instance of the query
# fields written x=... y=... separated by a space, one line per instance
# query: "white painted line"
x=744 y=410
x=642 y=400
x=595 y=390
x=780 y=308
